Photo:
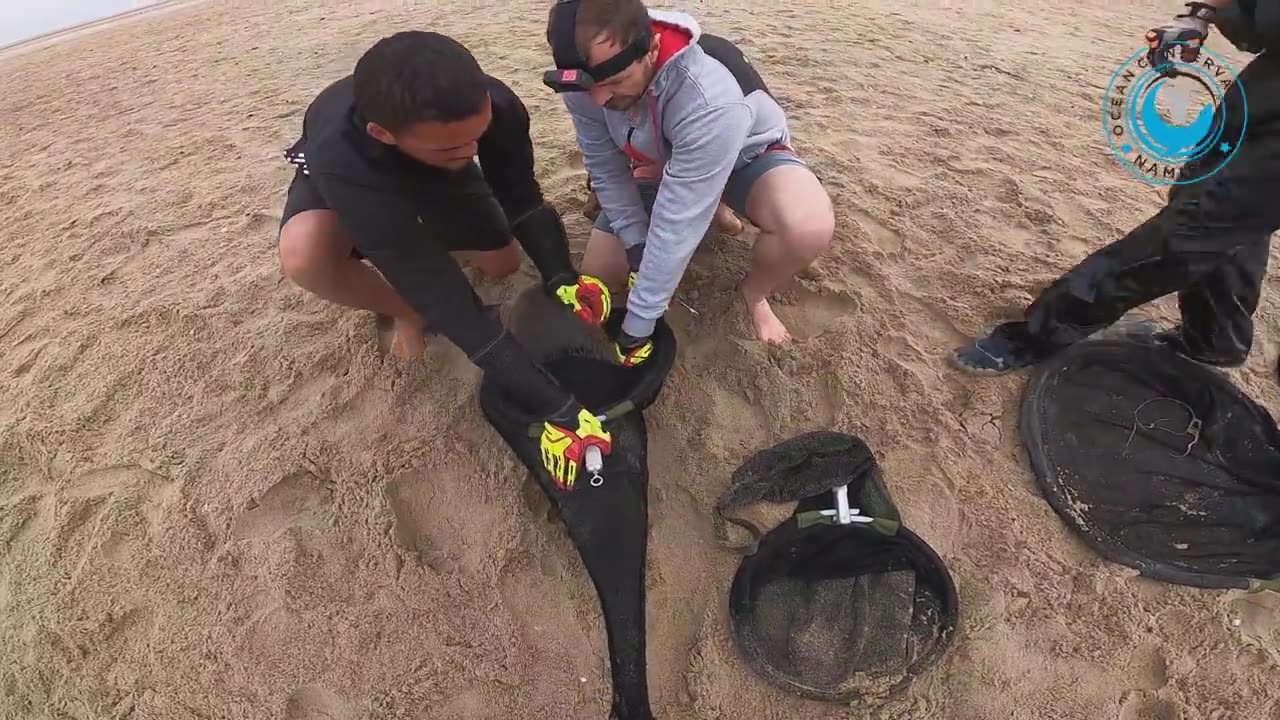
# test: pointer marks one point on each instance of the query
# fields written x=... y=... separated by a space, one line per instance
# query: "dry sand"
x=217 y=500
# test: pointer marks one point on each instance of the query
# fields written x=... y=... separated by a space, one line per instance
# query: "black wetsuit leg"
x=1210 y=244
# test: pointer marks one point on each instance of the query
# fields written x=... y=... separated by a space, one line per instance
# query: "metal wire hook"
x=1193 y=427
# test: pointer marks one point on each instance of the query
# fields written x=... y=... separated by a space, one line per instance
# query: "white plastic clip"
x=842 y=505
x=594 y=463
x=844 y=514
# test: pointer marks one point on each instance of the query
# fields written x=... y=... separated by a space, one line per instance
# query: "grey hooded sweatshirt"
x=708 y=129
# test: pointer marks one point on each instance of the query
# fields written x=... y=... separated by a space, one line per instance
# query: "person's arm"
x=609 y=169
x=386 y=230
x=506 y=157
x=705 y=146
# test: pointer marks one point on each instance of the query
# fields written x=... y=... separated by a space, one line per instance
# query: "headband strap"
x=562 y=36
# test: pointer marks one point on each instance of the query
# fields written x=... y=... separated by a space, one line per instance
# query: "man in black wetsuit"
x=386 y=174
x=1210 y=244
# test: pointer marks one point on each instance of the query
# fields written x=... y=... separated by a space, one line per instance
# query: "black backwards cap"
x=572 y=73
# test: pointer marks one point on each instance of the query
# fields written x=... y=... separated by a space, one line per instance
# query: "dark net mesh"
x=1158 y=462
x=801 y=467
x=607 y=524
x=832 y=611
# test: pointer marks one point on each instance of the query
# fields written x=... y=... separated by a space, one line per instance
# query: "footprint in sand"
x=1257 y=619
x=312 y=702
x=556 y=613
x=930 y=320
x=444 y=519
x=473 y=704
x=813 y=314
x=261 y=224
x=298 y=500
x=742 y=425
x=24 y=517
x=114 y=479
x=22 y=329
x=1145 y=706
x=26 y=354
x=879 y=235
x=76 y=518
x=896 y=176
x=305 y=397
x=112 y=489
x=1148 y=668
x=191 y=232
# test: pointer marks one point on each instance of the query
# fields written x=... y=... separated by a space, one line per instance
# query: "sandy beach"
x=218 y=500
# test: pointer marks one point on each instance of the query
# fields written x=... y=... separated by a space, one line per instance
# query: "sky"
x=21 y=19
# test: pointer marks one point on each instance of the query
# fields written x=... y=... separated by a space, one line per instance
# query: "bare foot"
x=768 y=327
x=383 y=327
x=726 y=222
x=408 y=339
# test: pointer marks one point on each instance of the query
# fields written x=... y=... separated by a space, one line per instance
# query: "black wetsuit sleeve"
x=506 y=158
x=386 y=230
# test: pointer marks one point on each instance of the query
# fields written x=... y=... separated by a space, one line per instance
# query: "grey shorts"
x=736 y=190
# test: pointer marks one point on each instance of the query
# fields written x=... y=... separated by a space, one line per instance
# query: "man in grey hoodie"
x=670 y=124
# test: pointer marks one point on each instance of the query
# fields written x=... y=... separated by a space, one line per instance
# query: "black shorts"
x=471 y=221
x=301 y=197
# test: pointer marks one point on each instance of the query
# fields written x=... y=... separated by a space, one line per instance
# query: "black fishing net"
x=830 y=610
x=802 y=467
x=1159 y=463
x=606 y=519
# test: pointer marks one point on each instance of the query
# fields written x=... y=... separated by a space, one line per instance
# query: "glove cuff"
x=1200 y=11
x=559 y=280
x=635 y=254
x=542 y=234
x=627 y=341
x=567 y=415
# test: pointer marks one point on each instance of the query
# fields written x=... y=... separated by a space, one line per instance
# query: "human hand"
x=564 y=443
x=631 y=351
x=587 y=297
x=1187 y=31
x=635 y=254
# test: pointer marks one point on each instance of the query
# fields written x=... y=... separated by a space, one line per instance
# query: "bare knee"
x=309 y=247
x=606 y=260
x=808 y=236
x=498 y=264
x=790 y=204
x=505 y=266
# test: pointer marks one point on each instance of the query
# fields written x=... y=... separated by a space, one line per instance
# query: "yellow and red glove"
x=630 y=351
x=564 y=444
x=587 y=297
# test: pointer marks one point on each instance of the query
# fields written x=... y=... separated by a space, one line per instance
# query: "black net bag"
x=606 y=517
x=841 y=601
x=1159 y=463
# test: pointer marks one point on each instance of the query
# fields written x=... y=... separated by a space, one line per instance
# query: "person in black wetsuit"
x=1210 y=244
x=385 y=174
